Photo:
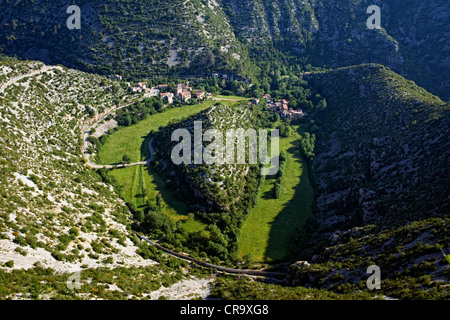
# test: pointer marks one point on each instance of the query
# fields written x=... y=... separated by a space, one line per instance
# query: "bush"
x=156 y=221
x=21 y=251
x=139 y=216
x=20 y=241
x=126 y=159
x=108 y=260
x=447 y=257
x=277 y=191
x=227 y=93
x=74 y=232
x=9 y=264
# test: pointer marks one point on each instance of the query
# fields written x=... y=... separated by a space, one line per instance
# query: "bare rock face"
x=414 y=39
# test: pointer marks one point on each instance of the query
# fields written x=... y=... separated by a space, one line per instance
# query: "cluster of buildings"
x=281 y=107
x=183 y=92
x=305 y=74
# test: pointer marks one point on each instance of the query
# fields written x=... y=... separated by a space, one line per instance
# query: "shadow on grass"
x=292 y=216
x=180 y=207
x=269 y=193
x=145 y=151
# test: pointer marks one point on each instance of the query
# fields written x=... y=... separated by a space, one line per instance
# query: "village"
x=280 y=106
x=184 y=93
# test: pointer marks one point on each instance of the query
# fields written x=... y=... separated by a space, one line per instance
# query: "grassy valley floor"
x=133 y=140
x=267 y=232
x=140 y=183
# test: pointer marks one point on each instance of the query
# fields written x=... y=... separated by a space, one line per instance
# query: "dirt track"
x=277 y=275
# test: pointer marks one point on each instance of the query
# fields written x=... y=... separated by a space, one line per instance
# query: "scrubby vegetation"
x=49 y=201
x=144 y=39
x=120 y=283
x=380 y=149
x=374 y=144
x=379 y=156
x=219 y=185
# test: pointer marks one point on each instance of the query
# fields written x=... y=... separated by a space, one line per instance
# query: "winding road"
x=26 y=75
x=125 y=165
x=278 y=276
x=86 y=134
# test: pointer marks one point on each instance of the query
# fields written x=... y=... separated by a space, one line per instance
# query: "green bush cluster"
x=279 y=175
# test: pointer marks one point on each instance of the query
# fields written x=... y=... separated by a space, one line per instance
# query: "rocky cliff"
x=142 y=38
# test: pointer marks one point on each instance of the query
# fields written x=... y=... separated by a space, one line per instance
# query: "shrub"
x=20 y=241
x=227 y=93
x=21 y=251
x=277 y=191
x=74 y=232
x=108 y=260
x=126 y=159
x=31 y=241
x=155 y=221
x=9 y=264
x=447 y=257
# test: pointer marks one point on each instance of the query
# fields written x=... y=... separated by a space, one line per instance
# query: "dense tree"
x=126 y=159
x=157 y=222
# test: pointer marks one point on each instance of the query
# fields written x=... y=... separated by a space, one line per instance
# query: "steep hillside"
x=414 y=40
x=220 y=186
x=381 y=171
x=52 y=209
x=132 y=38
x=138 y=39
x=286 y=24
x=335 y=34
x=383 y=148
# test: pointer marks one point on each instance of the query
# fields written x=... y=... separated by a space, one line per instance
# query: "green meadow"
x=218 y=96
x=131 y=140
x=140 y=183
x=267 y=232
